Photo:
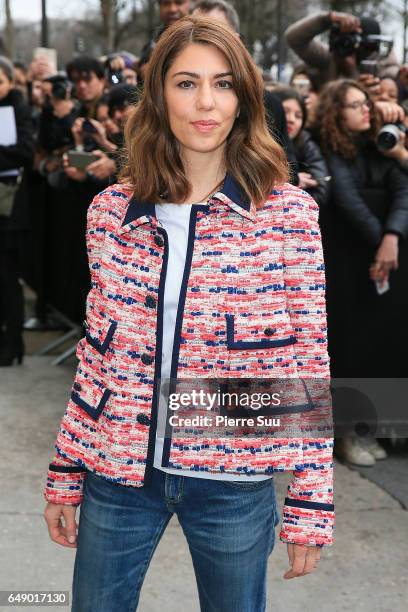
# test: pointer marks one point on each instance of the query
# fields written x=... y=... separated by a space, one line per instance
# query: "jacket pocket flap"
x=256 y=335
x=89 y=394
x=99 y=332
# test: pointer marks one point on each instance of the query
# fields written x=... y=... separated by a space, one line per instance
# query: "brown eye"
x=225 y=84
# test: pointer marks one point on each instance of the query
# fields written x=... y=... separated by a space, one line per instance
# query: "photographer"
x=350 y=44
x=364 y=233
x=55 y=123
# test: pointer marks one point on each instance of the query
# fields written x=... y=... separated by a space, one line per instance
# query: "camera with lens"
x=343 y=44
x=363 y=44
x=388 y=137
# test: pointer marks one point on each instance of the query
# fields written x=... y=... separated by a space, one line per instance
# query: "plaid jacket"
x=252 y=305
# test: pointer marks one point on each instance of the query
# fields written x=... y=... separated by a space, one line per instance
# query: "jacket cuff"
x=64 y=484
x=308 y=523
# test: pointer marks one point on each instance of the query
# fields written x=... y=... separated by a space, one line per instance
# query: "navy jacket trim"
x=158 y=361
x=302 y=503
x=179 y=322
x=231 y=189
x=234 y=192
x=250 y=344
x=137 y=209
x=93 y=412
x=102 y=347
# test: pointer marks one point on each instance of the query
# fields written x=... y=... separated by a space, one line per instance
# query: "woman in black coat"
x=313 y=173
x=13 y=159
x=364 y=236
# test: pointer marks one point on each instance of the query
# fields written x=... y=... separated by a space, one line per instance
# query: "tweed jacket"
x=252 y=304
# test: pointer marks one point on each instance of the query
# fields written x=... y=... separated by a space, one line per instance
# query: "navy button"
x=158 y=240
x=146 y=359
x=77 y=386
x=143 y=419
x=269 y=331
x=150 y=302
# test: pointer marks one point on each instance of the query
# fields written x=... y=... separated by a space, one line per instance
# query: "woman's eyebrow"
x=194 y=75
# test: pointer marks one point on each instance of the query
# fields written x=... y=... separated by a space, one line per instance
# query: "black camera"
x=343 y=44
x=364 y=44
x=388 y=137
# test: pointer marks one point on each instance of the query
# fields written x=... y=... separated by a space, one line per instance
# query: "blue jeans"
x=229 y=526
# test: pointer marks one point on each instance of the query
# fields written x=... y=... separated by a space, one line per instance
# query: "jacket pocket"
x=258 y=335
x=99 y=332
x=89 y=394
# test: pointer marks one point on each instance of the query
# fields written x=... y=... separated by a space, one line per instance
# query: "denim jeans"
x=229 y=526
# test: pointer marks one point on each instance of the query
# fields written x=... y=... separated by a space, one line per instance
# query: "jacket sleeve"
x=308 y=513
x=312 y=161
x=301 y=37
x=65 y=476
x=347 y=198
x=397 y=218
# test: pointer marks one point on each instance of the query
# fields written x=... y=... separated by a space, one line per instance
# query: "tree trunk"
x=9 y=30
x=108 y=17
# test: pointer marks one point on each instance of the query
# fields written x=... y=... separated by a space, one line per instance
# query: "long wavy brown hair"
x=329 y=123
x=152 y=164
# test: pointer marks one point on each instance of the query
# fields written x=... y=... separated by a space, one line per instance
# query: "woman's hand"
x=390 y=111
x=347 y=23
x=73 y=173
x=63 y=533
x=103 y=168
x=77 y=131
x=306 y=180
x=303 y=560
x=101 y=138
x=386 y=258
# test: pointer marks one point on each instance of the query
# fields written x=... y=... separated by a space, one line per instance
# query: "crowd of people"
x=342 y=121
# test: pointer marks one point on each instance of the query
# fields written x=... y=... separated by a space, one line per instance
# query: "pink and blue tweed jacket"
x=252 y=305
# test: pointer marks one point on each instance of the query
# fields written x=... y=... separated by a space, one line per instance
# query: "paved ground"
x=366 y=570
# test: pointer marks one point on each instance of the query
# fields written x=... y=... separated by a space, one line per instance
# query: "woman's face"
x=356 y=111
x=294 y=117
x=37 y=93
x=5 y=85
x=389 y=90
x=201 y=102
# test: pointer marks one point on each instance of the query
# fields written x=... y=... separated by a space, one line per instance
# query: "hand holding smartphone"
x=81 y=159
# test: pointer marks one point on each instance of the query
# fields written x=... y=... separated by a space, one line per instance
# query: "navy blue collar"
x=231 y=190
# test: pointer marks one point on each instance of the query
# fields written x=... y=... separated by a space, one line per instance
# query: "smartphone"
x=81 y=159
x=369 y=67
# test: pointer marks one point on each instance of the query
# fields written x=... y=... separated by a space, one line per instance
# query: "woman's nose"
x=205 y=96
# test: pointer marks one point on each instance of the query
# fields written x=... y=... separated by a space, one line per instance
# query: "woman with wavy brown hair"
x=364 y=232
x=206 y=265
